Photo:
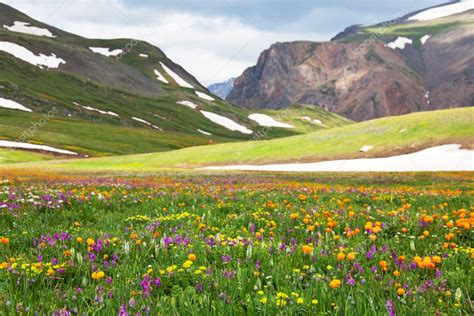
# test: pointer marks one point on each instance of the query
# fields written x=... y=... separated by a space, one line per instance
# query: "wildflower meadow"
x=236 y=244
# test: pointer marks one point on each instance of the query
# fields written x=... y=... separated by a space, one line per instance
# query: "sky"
x=214 y=39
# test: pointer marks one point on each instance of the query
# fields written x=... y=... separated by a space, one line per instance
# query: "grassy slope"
x=43 y=90
x=94 y=134
x=389 y=136
x=16 y=156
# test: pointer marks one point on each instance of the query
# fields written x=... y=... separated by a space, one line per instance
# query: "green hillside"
x=388 y=136
x=128 y=86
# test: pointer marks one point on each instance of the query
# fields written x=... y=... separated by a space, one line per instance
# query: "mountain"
x=69 y=95
x=417 y=62
x=222 y=89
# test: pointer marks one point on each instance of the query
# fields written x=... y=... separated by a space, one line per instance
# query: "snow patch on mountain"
x=188 y=104
x=441 y=158
x=204 y=96
x=424 y=39
x=18 y=145
x=268 y=121
x=443 y=11
x=400 y=43
x=226 y=122
x=308 y=119
x=146 y=123
x=366 y=148
x=180 y=81
x=26 y=28
x=12 y=105
x=106 y=51
x=204 y=132
x=24 y=54
x=160 y=77
x=96 y=110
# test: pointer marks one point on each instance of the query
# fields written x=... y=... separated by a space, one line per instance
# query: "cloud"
x=212 y=39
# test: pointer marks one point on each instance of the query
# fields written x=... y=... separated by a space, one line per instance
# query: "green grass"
x=17 y=156
x=389 y=136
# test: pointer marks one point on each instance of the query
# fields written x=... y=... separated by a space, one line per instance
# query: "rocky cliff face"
x=362 y=76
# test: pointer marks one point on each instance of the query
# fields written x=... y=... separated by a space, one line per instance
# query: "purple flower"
x=198 y=287
x=390 y=308
x=123 y=310
x=146 y=286
x=157 y=282
x=350 y=280
x=226 y=258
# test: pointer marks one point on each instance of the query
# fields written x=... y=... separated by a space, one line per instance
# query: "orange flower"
x=351 y=256
x=401 y=292
x=396 y=273
x=67 y=253
x=192 y=257
x=79 y=240
x=4 y=240
x=334 y=284
x=383 y=265
x=306 y=249
x=341 y=256
x=294 y=215
x=90 y=242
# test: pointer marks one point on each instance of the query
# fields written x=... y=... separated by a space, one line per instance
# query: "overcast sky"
x=214 y=39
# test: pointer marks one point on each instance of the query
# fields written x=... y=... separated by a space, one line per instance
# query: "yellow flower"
x=98 y=275
x=90 y=242
x=314 y=302
x=299 y=300
x=281 y=303
x=263 y=300
x=187 y=264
